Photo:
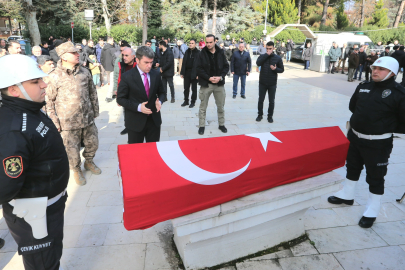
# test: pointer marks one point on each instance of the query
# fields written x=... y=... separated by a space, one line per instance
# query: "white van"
x=322 y=44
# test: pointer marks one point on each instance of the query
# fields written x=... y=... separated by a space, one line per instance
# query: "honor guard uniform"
x=35 y=170
x=378 y=109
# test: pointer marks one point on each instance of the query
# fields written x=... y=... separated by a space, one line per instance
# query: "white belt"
x=372 y=137
x=50 y=201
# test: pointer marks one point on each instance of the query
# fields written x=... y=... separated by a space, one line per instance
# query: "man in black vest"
x=189 y=73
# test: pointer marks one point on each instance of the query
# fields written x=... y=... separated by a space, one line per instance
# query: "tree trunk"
x=399 y=14
x=32 y=24
x=325 y=12
x=362 y=13
x=205 y=23
x=214 y=19
x=145 y=22
x=106 y=17
x=299 y=11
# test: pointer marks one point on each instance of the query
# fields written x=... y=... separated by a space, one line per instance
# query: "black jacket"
x=54 y=56
x=131 y=92
x=167 y=63
x=267 y=75
x=241 y=63
x=108 y=57
x=35 y=163
x=345 y=53
x=378 y=108
x=228 y=54
x=204 y=66
x=281 y=51
x=290 y=46
x=190 y=59
x=398 y=55
x=362 y=58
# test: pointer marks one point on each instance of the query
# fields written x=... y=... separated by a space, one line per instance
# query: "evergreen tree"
x=380 y=15
x=341 y=18
x=56 y=11
x=155 y=14
x=279 y=11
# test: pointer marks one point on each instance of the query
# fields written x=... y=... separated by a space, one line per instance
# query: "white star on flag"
x=264 y=138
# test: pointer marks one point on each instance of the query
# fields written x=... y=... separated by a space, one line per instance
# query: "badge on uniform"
x=13 y=166
x=386 y=93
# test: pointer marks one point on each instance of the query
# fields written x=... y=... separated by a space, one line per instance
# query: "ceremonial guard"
x=35 y=170
x=378 y=109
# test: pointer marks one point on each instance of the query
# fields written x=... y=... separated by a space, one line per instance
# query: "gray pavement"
x=96 y=239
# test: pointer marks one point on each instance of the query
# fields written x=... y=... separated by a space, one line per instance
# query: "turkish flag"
x=165 y=180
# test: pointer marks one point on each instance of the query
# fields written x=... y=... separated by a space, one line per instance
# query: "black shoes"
x=201 y=130
x=125 y=131
x=336 y=200
x=2 y=242
x=172 y=101
x=270 y=119
x=259 y=118
x=243 y=96
x=234 y=96
x=366 y=222
x=108 y=100
x=192 y=105
x=185 y=103
x=223 y=129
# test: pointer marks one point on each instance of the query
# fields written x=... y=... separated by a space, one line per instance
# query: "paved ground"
x=96 y=239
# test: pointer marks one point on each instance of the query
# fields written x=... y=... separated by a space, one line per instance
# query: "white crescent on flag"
x=175 y=159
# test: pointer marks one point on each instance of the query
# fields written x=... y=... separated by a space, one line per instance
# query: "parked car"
x=14 y=38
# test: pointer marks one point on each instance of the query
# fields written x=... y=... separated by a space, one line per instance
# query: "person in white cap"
x=35 y=171
x=378 y=109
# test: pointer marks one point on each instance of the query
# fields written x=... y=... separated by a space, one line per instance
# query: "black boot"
x=2 y=242
x=223 y=129
x=125 y=131
x=336 y=200
x=192 y=104
x=259 y=118
x=366 y=222
x=185 y=103
x=201 y=130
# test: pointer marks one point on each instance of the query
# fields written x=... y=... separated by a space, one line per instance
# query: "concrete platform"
x=250 y=224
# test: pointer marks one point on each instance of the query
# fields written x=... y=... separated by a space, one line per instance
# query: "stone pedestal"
x=250 y=224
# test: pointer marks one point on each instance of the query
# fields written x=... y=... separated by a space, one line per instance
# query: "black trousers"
x=368 y=72
x=263 y=89
x=150 y=133
x=374 y=154
x=38 y=254
x=187 y=82
x=169 y=80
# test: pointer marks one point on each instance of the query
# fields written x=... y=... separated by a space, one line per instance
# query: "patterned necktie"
x=146 y=84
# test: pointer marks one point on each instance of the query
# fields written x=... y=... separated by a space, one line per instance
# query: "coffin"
x=166 y=180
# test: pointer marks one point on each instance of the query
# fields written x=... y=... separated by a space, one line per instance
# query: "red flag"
x=165 y=180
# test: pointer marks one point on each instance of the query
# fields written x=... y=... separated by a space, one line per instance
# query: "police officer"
x=35 y=170
x=378 y=109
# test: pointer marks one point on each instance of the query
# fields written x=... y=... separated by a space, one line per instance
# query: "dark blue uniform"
x=35 y=164
x=378 y=108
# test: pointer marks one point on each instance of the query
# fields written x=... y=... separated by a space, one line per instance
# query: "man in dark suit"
x=141 y=93
x=167 y=67
x=241 y=65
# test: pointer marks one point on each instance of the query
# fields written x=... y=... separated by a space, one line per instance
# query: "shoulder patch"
x=13 y=166
x=400 y=87
x=365 y=82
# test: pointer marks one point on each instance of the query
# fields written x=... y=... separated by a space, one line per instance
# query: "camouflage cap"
x=65 y=48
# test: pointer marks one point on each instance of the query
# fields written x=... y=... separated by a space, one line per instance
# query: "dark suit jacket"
x=131 y=92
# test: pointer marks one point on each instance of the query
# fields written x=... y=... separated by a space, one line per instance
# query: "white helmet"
x=387 y=62
x=18 y=68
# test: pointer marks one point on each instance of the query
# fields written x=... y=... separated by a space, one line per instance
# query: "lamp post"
x=89 y=16
x=265 y=19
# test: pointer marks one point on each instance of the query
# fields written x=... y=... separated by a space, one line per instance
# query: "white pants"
x=111 y=86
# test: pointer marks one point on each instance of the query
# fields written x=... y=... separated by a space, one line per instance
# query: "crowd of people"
x=61 y=79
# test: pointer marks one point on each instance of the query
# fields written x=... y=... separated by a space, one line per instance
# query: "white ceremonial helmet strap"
x=16 y=69
x=389 y=63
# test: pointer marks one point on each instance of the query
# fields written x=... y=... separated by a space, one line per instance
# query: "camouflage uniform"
x=72 y=104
